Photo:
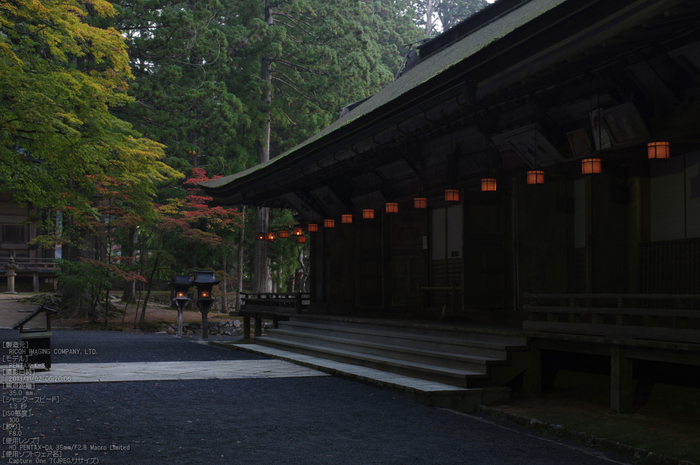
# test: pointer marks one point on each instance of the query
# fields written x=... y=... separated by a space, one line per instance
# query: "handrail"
x=24 y=263
x=619 y=298
x=679 y=326
x=264 y=302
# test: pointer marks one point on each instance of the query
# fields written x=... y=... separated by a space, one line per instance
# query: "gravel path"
x=322 y=420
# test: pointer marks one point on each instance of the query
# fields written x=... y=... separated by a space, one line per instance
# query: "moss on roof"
x=431 y=67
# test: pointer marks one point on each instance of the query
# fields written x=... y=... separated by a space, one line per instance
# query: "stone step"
x=430 y=393
x=505 y=336
x=444 y=375
x=460 y=343
x=454 y=360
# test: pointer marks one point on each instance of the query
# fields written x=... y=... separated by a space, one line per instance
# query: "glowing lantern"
x=329 y=223
x=312 y=227
x=488 y=185
x=301 y=239
x=392 y=207
x=658 y=150
x=298 y=231
x=204 y=280
x=347 y=218
x=535 y=177
x=452 y=195
x=261 y=236
x=590 y=166
x=368 y=213
x=181 y=284
x=271 y=236
x=284 y=233
x=420 y=202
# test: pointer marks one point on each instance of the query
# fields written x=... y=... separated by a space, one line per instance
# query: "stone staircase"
x=467 y=357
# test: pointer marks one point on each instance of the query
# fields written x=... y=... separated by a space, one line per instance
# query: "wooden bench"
x=272 y=306
x=453 y=290
x=589 y=324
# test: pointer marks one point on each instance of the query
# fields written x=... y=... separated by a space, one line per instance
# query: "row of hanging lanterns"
x=297 y=232
x=655 y=151
x=660 y=150
x=451 y=195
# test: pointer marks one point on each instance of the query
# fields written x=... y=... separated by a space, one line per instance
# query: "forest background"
x=111 y=113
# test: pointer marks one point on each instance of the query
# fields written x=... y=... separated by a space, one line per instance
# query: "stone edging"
x=604 y=444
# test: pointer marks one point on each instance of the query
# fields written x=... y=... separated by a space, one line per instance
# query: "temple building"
x=535 y=168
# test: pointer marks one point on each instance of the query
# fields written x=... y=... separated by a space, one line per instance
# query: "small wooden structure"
x=38 y=340
x=274 y=306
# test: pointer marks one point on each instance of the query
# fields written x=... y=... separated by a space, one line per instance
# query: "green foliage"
x=179 y=53
x=59 y=78
x=197 y=94
x=86 y=283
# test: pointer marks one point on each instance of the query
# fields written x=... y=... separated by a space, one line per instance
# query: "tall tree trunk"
x=129 y=250
x=148 y=288
x=263 y=214
x=429 y=24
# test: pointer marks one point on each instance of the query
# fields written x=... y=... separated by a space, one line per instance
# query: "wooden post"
x=246 y=327
x=258 y=326
x=297 y=303
x=621 y=384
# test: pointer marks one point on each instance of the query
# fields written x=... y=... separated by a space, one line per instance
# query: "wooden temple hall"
x=524 y=199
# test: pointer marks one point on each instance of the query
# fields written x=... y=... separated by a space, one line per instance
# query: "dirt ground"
x=13 y=310
x=652 y=427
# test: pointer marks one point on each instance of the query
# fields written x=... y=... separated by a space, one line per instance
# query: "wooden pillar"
x=532 y=378
x=621 y=384
x=258 y=326
x=589 y=234
x=297 y=303
x=246 y=327
x=35 y=282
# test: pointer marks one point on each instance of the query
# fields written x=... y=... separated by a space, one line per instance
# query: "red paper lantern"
x=298 y=231
x=392 y=207
x=590 y=166
x=488 y=185
x=301 y=239
x=452 y=195
x=327 y=223
x=347 y=218
x=271 y=236
x=658 y=150
x=261 y=236
x=368 y=213
x=284 y=233
x=420 y=202
x=535 y=177
x=312 y=227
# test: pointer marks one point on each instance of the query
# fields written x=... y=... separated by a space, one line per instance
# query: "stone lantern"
x=205 y=281
x=181 y=285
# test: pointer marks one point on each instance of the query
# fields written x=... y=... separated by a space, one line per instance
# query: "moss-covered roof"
x=434 y=65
